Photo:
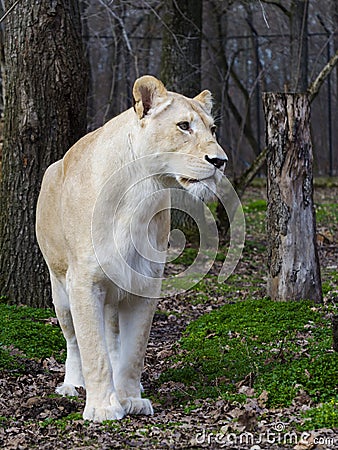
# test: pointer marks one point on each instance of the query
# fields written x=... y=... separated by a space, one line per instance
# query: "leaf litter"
x=32 y=417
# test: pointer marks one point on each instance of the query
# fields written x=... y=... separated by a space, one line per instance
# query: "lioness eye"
x=185 y=126
x=213 y=129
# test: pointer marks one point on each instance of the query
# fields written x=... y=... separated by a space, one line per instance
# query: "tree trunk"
x=181 y=65
x=299 y=45
x=293 y=263
x=335 y=333
x=46 y=86
x=102 y=54
x=181 y=47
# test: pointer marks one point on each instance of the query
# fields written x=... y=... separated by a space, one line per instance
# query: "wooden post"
x=293 y=262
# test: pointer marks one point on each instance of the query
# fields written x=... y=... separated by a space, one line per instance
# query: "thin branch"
x=314 y=87
x=247 y=126
x=9 y=11
x=245 y=179
x=110 y=9
x=246 y=116
x=326 y=43
x=173 y=35
x=264 y=14
x=279 y=5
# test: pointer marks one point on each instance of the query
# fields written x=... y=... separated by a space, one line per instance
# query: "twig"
x=245 y=179
x=123 y=31
x=264 y=14
x=9 y=11
x=279 y=5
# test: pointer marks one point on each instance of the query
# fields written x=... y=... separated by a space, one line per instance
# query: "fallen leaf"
x=306 y=442
x=263 y=399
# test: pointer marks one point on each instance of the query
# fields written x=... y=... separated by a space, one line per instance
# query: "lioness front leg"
x=86 y=301
x=135 y=318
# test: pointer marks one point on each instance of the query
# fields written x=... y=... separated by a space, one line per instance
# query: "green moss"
x=26 y=333
x=187 y=257
x=62 y=423
x=281 y=346
x=327 y=215
x=323 y=416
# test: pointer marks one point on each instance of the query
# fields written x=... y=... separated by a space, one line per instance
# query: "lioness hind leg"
x=135 y=319
x=73 y=375
x=112 y=333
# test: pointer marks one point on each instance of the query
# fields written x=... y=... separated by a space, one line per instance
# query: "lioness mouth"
x=189 y=180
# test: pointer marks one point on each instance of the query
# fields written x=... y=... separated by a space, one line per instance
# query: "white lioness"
x=103 y=236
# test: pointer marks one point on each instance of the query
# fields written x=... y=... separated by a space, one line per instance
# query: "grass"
x=62 y=423
x=327 y=215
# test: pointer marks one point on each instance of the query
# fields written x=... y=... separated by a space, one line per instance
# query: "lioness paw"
x=112 y=411
x=66 y=389
x=137 y=406
x=102 y=414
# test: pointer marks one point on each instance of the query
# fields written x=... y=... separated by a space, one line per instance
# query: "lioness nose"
x=217 y=162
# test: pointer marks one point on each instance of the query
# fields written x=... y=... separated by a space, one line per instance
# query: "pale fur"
x=107 y=328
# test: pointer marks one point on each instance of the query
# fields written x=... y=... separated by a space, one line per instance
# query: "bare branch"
x=121 y=23
x=314 y=87
x=264 y=14
x=279 y=5
x=9 y=11
x=245 y=179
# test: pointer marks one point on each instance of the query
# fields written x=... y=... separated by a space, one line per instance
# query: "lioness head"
x=181 y=134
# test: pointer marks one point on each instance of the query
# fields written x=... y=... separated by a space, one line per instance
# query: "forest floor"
x=31 y=417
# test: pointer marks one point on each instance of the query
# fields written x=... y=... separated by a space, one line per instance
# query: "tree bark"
x=46 y=86
x=293 y=263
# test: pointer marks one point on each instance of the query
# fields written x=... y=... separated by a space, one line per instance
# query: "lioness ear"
x=205 y=99
x=148 y=92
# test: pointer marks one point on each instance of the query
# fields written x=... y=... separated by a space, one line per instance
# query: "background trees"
x=181 y=46
x=235 y=48
x=247 y=47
